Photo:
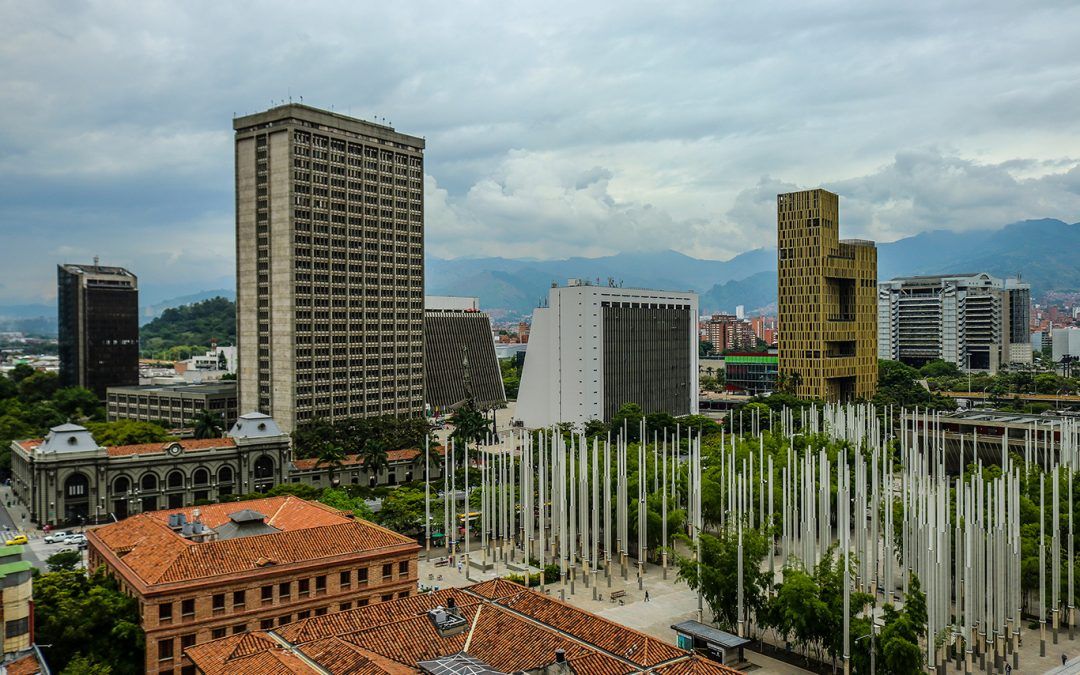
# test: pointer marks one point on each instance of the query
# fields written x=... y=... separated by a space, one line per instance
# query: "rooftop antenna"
x=96 y=261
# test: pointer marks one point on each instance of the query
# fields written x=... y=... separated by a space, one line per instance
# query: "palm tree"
x=208 y=424
x=470 y=424
x=330 y=455
x=373 y=454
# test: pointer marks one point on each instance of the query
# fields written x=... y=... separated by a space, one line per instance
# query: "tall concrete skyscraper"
x=98 y=326
x=329 y=266
x=827 y=300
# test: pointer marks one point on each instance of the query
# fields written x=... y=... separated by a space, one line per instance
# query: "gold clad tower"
x=827 y=301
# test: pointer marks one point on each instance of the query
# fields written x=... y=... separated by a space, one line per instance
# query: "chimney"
x=560 y=656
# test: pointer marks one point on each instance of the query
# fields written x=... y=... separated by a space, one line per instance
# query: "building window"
x=239 y=628
x=187 y=641
x=321 y=611
x=362 y=602
x=284 y=591
x=164 y=612
x=187 y=608
x=266 y=624
x=267 y=594
x=403 y=594
x=238 y=599
x=165 y=649
x=345 y=579
x=320 y=584
x=388 y=570
x=361 y=576
x=403 y=568
x=345 y=606
x=219 y=602
x=303 y=615
x=284 y=619
x=217 y=633
x=303 y=587
x=17 y=627
x=388 y=597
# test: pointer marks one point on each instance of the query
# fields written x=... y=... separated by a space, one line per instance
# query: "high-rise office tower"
x=329 y=266
x=98 y=322
x=975 y=321
x=593 y=349
x=827 y=301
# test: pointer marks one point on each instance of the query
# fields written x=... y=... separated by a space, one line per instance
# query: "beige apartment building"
x=330 y=266
x=827 y=301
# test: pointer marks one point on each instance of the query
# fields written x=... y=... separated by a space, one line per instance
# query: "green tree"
x=511 y=377
x=84 y=665
x=127 y=432
x=208 y=424
x=87 y=616
x=403 y=510
x=374 y=456
x=939 y=368
x=470 y=424
x=627 y=420
x=190 y=328
x=77 y=402
x=20 y=372
x=706 y=349
x=38 y=387
x=339 y=498
x=718 y=577
x=898 y=646
x=331 y=455
x=64 y=560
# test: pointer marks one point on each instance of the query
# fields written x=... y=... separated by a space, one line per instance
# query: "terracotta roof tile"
x=392 y=456
x=26 y=665
x=511 y=628
x=695 y=665
x=157 y=555
x=189 y=445
x=249 y=653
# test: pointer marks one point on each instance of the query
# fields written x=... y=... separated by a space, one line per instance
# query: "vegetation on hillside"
x=189 y=329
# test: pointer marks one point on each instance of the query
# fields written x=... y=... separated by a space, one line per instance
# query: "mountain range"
x=1043 y=252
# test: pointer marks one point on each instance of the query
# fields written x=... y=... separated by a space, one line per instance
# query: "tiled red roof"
x=26 y=665
x=392 y=456
x=510 y=628
x=30 y=444
x=188 y=444
x=157 y=555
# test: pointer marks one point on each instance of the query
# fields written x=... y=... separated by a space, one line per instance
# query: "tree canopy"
x=192 y=327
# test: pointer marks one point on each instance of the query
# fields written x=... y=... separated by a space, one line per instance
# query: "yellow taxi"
x=16 y=540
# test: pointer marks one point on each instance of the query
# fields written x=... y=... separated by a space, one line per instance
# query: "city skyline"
x=921 y=118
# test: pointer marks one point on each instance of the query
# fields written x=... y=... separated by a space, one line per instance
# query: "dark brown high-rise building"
x=98 y=327
x=330 y=266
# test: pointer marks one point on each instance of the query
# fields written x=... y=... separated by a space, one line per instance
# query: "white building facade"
x=594 y=348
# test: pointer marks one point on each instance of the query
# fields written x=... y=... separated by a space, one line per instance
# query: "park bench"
x=616 y=595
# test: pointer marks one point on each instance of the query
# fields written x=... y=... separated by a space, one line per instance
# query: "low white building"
x=594 y=348
x=1065 y=342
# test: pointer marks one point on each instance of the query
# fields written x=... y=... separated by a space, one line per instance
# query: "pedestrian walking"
x=646 y=596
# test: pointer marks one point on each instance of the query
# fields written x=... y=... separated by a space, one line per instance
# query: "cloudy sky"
x=553 y=129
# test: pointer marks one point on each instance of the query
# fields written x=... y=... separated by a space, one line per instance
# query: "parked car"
x=56 y=536
x=75 y=539
x=16 y=540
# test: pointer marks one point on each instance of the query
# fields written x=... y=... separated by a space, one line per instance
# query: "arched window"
x=225 y=474
x=121 y=485
x=264 y=467
x=175 y=480
x=148 y=482
x=200 y=477
x=77 y=487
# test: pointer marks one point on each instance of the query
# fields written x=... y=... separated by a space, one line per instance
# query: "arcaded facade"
x=827 y=301
x=330 y=266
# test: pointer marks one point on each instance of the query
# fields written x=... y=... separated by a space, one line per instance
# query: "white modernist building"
x=594 y=348
x=1065 y=342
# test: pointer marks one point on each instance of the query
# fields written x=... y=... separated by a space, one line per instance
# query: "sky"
x=553 y=129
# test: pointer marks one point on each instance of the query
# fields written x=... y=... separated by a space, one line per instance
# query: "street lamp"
x=871 y=636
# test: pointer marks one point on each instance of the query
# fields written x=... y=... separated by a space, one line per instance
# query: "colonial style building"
x=402 y=466
x=206 y=573
x=70 y=478
x=489 y=628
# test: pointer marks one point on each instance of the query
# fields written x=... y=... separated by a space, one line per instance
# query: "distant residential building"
x=753 y=373
x=488 y=628
x=459 y=356
x=98 y=326
x=594 y=348
x=976 y=321
x=16 y=599
x=69 y=478
x=214 y=363
x=173 y=406
x=827 y=291
x=224 y=569
x=728 y=332
x=330 y=266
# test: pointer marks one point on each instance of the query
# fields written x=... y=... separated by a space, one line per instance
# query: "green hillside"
x=188 y=328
